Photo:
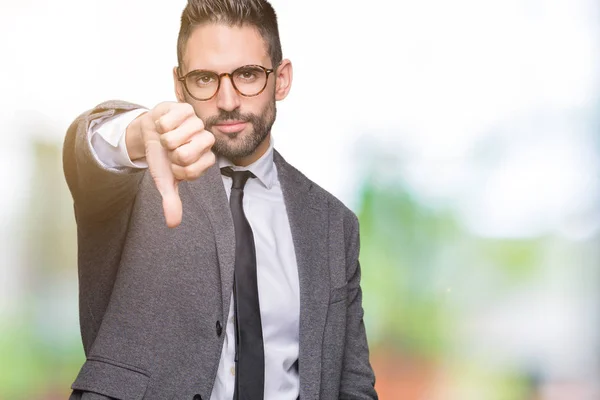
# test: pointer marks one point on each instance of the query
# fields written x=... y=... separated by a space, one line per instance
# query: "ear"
x=283 y=82
x=179 y=89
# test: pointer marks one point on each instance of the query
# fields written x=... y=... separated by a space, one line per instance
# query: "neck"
x=258 y=153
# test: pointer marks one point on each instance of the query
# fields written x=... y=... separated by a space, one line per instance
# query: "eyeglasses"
x=248 y=81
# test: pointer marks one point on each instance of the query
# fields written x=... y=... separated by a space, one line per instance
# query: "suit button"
x=197 y=397
x=219 y=328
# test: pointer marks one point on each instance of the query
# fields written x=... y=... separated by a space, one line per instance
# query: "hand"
x=176 y=147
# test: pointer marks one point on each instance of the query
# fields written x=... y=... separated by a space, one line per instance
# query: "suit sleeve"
x=98 y=192
x=358 y=379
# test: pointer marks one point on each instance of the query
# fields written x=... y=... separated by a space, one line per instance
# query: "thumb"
x=168 y=187
x=172 y=206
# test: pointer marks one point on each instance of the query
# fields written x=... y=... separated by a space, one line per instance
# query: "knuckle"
x=190 y=172
x=199 y=125
x=157 y=124
x=178 y=172
x=211 y=158
x=191 y=128
x=163 y=123
x=210 y=138
x=182 y=155
x=207 y=160
x=187 y=109
x=159 y=107
x=164 y=141
x=168 y=142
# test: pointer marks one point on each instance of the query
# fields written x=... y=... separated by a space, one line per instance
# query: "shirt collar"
x=263 y=168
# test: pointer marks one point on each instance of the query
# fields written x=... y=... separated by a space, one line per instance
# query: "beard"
x=242 y=144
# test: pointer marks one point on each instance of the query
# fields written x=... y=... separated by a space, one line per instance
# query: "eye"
x=248 y=74
x=202 y=79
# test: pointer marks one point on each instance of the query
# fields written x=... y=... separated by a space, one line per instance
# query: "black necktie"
x=249 y=355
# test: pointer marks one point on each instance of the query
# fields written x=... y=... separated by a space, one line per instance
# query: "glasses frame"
x=183 y=79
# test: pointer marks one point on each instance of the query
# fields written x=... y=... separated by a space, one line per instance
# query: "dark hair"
x=257 y=13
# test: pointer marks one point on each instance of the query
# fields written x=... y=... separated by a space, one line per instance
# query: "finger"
x=191 y=152
x=170 y=116
x=182 y=134
x=195 y=170
x=161 y=109
x=160 y=170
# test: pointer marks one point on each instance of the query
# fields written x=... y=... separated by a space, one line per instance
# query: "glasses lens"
x=202 y=84
x=250 y=80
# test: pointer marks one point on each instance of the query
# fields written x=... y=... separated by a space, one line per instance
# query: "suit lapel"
x=210 y=193
x=308 y=217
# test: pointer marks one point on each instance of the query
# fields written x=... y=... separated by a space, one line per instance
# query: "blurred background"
x=464 y=134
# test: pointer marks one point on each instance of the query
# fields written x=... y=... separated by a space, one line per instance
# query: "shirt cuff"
x=107 y=140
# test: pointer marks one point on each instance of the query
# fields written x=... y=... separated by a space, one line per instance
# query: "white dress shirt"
x=277 y=270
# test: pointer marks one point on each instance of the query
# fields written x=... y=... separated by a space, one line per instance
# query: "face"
x=241 y=125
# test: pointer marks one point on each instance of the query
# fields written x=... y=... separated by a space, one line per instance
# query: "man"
x=210 y=268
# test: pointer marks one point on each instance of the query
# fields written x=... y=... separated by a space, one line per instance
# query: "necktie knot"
x=239 y=177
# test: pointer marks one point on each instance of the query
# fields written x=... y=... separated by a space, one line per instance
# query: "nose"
x=228 y=98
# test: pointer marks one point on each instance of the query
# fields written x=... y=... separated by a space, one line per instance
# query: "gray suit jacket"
x=152 y=300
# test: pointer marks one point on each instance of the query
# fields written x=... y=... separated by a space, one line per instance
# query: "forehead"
x=221 y=47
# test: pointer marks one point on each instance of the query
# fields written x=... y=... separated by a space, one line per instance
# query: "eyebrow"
x=215 y=70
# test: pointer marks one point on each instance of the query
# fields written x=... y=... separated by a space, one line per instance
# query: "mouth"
x=231 y=126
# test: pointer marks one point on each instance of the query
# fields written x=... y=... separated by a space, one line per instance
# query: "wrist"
x=134 y=139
